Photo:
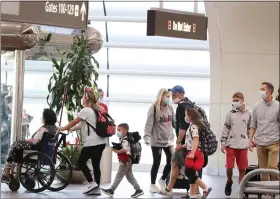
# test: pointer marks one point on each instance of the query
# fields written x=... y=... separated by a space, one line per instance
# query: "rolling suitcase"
x=182 y=181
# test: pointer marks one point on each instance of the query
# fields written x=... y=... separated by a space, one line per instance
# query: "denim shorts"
x=179 y=157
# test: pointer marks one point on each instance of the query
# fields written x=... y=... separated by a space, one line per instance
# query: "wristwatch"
x=178 y=142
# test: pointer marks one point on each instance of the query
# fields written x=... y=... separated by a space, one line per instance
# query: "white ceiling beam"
x=118 y=19
x=61 y=39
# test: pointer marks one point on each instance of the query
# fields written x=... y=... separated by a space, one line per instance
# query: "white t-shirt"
x=126 y=145
x=191 y=133
x=89 y=138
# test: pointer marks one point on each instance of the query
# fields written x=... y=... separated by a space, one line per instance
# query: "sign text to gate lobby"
x=169 y=23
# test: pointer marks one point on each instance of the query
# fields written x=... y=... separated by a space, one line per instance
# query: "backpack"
x=208 y=142
x=200 y=111
x=105 y=126
x=133 y=139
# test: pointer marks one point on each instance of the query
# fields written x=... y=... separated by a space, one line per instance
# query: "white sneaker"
x=95 y=192
x=91 y=187
x=161 y=183
x=154 y=188
x=164 y=192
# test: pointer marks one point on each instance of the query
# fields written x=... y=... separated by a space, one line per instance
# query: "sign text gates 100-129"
x=69 y=14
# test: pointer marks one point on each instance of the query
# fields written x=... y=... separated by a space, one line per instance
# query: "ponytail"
x=92 y=101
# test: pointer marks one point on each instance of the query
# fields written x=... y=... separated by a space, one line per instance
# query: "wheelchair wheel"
x=63 y=173
x=36 y=172
x=14 y=185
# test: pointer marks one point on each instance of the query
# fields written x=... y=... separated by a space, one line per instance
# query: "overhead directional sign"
x=69 y=14
x=171 y=23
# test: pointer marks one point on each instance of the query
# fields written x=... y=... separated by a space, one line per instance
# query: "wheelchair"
x=38 y=169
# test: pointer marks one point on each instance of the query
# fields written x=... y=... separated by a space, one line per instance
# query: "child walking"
x=195 y=158
x=235 y=139
x=125 y=167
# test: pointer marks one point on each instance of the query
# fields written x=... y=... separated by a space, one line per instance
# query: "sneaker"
x=161 y=182
x=154 y=188
x=95 y=192
x=166 y=192
x=108 y=192
x=206 y=193
x=228 y=188
x=5 y=179
x=137 y=193
x=91 y=187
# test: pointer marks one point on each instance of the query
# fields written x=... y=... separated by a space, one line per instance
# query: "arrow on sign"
x=83 y=11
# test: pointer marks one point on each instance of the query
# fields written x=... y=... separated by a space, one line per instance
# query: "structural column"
x=244 y=52
x=18 y=88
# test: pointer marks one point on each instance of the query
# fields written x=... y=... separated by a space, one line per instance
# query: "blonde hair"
x=92 y=101
x=158 y=103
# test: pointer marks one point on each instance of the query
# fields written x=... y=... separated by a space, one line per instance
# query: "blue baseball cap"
x=177 y=89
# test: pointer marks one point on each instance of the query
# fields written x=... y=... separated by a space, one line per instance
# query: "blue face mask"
x=119 y=134
x=166 y=101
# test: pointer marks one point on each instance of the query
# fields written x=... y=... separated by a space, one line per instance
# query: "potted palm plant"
x=76 y=69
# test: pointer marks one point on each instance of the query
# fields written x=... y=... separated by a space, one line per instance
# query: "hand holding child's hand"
x=191 y=156
x=223 y=148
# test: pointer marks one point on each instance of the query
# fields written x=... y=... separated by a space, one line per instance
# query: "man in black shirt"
x=178 y=159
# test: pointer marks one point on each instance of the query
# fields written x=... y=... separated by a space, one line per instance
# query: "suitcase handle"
x=253 y=167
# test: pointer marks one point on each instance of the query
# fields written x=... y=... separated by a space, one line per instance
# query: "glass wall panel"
x=57 y=30
x=36 y=85
x=179 y=5
x=129 y=32
x=201 y=7
x=135 y=114
x=95 y=8
x=159 y=60
x=100 y=26
x=146 y=87
x=131 y=9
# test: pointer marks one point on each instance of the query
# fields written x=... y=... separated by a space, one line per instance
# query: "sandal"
x=5 y=179
x=206 y=193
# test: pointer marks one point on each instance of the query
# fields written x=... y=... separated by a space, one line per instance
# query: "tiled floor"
x=123 y=191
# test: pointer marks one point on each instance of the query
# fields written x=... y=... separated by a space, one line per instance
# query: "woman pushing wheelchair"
x=48 y=119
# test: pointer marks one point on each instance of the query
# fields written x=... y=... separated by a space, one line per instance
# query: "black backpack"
x=200 y=111
x=105 y=126
x=136 y=149
x=208 y=143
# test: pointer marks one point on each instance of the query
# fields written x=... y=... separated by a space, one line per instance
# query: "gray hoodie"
x=235 y=133
x=159 y=127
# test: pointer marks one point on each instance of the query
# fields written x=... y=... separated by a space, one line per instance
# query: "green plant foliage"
x=77 y=69
x=72 y=151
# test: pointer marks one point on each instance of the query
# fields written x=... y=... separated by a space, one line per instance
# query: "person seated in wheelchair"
x=48 y=119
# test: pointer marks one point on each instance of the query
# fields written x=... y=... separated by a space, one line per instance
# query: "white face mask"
x=236 y=105
x=176 y=101
x=263 y=94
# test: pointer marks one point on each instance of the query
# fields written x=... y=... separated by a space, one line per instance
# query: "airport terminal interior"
x=240 y=52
